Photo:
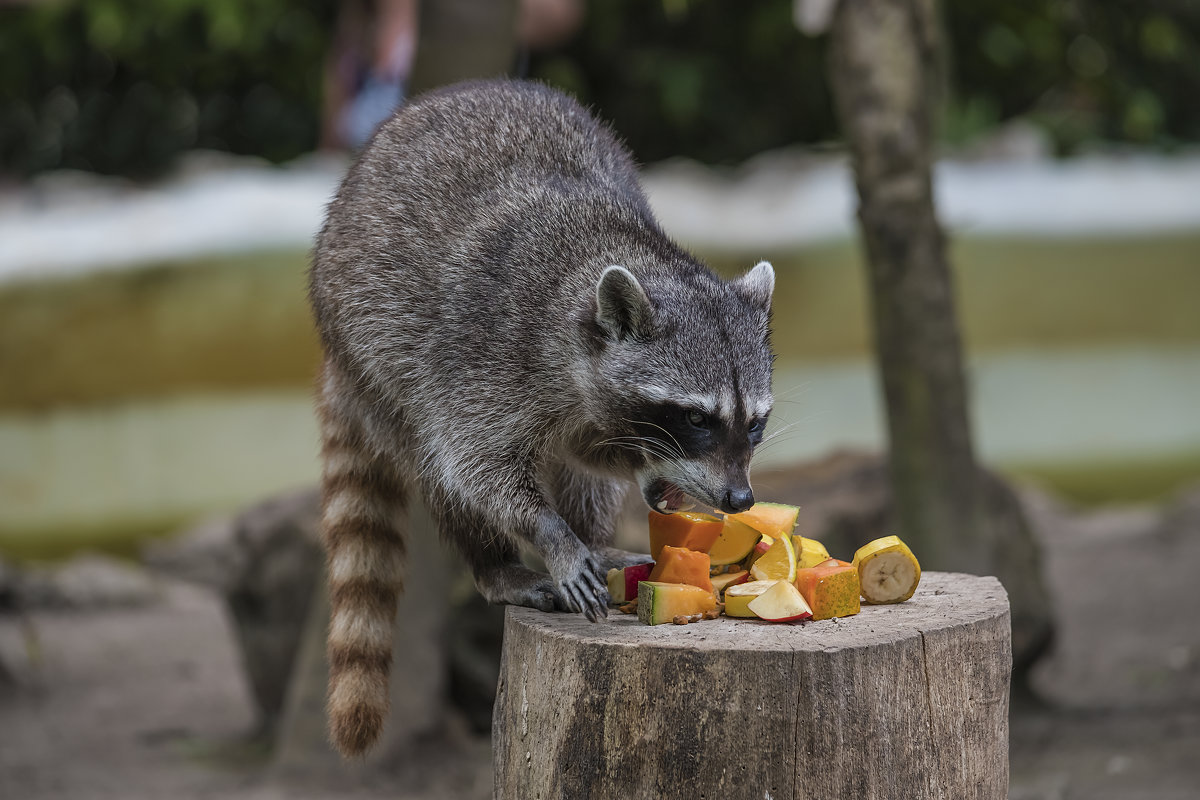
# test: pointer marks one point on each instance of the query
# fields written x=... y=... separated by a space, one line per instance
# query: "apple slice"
x=623 y=583
x=738 y=597
x=781 y=603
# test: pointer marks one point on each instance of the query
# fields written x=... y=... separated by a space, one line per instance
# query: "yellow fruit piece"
x=738 y=597
x=888 y=572
x=809 y=552
x=723 y=581
x=778 y=563
x=736 y=541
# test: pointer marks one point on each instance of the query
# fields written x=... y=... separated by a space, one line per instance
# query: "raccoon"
x=509 y=335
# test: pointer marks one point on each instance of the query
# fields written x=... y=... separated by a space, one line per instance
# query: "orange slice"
x=778 y=563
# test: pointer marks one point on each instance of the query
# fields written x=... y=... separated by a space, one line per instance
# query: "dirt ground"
x=149 y=702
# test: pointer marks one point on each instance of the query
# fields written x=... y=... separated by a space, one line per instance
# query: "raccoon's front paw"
x=519 y=586
x=582 y=586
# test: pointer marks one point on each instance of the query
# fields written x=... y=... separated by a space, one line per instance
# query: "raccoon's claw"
x=585 y=592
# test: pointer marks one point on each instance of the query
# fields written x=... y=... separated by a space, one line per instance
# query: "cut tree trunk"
x=907 y=700
x=884 y=57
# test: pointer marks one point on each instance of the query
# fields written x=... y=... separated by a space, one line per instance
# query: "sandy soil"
x=149 y=702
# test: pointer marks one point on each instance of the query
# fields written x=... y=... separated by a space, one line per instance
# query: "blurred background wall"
x=163 y=168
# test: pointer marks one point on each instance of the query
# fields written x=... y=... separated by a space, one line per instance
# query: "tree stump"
x=899 y=701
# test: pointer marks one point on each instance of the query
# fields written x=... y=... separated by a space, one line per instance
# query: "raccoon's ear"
x=758 y=284
x=623 y=310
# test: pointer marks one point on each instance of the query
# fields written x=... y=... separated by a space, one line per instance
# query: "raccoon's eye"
x=757 y=426
x=696 y=418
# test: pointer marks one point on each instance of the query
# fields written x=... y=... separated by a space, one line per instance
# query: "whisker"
x=678 y=448
x=787 y=394
x=640 y=445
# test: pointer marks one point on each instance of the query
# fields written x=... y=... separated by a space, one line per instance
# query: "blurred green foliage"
x=1086 y=70
x=120 y=86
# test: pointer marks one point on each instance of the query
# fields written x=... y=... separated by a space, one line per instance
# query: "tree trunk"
x=884 y=57
x=907 y=700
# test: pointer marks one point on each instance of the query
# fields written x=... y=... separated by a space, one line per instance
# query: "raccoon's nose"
x=738 y=500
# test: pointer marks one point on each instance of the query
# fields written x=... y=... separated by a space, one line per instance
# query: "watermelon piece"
x=623 y=583
x=773 y=519
x=680 y=565
x=660 y=602
x=683 y=529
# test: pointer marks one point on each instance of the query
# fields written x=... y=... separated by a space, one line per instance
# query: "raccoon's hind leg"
x=363 y=511
x=591 y=505
x=494 y=560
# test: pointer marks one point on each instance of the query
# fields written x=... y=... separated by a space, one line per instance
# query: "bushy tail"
x=362 y=511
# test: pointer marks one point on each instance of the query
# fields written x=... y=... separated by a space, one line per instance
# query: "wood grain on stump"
x=900 y=701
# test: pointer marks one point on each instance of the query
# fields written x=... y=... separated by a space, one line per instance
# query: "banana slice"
x=888 y=572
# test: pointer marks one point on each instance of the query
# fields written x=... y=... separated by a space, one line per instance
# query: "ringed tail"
x=362 y=510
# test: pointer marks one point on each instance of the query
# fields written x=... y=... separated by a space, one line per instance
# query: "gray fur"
x=463 y=285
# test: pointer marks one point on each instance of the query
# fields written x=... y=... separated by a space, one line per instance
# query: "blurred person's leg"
x=369 y=71
x=544 y=25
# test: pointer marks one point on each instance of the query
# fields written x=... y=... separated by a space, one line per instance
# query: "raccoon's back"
x=481 y=208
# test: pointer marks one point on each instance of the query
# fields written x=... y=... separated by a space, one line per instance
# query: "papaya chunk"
x=683 y=529
x=831 y=589
x=680 y=565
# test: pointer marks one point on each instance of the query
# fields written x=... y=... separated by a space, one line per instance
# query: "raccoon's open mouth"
x=666 y=498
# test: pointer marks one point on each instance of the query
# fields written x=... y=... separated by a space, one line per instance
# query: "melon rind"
x=659 y=602
x=773 y=519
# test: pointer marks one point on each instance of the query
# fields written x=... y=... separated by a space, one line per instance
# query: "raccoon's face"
x=686 y=371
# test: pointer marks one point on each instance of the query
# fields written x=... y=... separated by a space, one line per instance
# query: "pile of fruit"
x=752 y=565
